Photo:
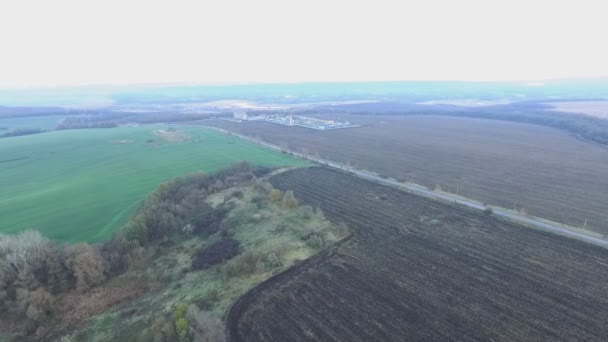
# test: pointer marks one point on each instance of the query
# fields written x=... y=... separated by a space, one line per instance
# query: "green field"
x=31 y=122
x=81 y=185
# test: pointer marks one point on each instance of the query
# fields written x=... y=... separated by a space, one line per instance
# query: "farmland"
x=414 y=269
x=81 y=185
x=593 y=108
x=539 y=170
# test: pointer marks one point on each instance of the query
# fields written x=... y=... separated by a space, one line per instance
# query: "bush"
x=314 y=240
x=209 y=299
x=289 y=200
x=85 y=264
x=342 y=230
x=181 y=324
x=488 y=211
x=306 y=212
x=251 y=262
x=37 y=304
x=162 y=330
x=275 y=195
x=204 y=326
x=263 y=187
x=181 y=329
x=227 y=230
x=136 y=231
x=188 y=229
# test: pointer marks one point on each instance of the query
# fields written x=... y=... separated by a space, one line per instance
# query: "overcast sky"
x=64 y=42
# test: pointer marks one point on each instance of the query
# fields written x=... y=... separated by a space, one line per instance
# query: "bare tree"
x=86 y=264
x=22 y=249
x=204 y=327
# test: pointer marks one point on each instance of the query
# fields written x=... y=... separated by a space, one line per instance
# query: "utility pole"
x=585 y=224
x=514 y=203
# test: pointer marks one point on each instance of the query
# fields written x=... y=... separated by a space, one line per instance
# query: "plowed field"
x=541 y=170
x=416 y=270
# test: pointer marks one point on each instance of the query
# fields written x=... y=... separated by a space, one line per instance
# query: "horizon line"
x=254 y=83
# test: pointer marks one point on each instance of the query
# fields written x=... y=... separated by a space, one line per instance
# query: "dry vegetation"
x=416 y=270
x=547 y=172
x=171 y=135
x=201 y=276
x=193 y=247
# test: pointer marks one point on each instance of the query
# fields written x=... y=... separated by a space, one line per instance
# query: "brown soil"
x=417 y=270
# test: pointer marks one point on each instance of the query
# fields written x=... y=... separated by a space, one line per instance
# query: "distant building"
x=293 y=120
x=240 y=115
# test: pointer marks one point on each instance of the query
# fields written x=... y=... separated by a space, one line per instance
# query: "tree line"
x=114 y=119
x=15 y=132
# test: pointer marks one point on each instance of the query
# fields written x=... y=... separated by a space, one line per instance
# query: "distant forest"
x=113 y=119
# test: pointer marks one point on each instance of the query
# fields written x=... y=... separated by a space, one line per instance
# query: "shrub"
x=249 y=263
x=204 y=326
x=275 y=195
x=488 y=211
x=136 y=231
x=289 y=200
x=315 y=240
x=37 y=304
x=181 y=329
x=85 y=264
x=227 y=230
x=188 y=229
x=342 y=230
x=180 y=311
x=23 y=249
x=306 y=212
x=209 y=299
x=181 y=324
x=263 y=186
x=273 y=261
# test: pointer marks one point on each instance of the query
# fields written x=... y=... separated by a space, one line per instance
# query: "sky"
x=65 y=42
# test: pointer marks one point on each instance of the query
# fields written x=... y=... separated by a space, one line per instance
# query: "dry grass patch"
x=171 y=135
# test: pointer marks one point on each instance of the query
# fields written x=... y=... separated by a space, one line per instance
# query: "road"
x=420 y=190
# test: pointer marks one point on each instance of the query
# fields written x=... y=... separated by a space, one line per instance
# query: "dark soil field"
x=547 y=172
x=417 y=270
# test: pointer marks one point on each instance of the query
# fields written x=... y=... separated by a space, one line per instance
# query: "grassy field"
x=33 y=122
x=417 y=270
x=81 y=185
x=544 y=171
